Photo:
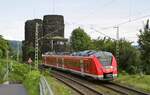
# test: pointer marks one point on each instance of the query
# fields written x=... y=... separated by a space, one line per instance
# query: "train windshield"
x=104 y=57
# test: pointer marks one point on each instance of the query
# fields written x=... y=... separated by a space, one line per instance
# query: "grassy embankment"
x=136 y=81
x=30 y=79
x=20 y=73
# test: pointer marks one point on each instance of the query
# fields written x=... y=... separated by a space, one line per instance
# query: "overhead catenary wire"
x=92 y=28
x=102 y=33
x=98 y=31
x=111 y=27
x=125 y=22
x=121 y=23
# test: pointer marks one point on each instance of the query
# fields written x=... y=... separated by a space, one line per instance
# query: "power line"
x=119 y=24
x=125 y=22
x=122 y=23
x=92 y=28
x=102 y=33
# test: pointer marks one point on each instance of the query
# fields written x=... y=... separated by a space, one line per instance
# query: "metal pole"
x=52 y=45
x=117 y=44
x=7 y=55
x=18 y=52
x=36 y=46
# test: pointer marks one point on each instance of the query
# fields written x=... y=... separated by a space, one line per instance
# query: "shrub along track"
x=88 y=87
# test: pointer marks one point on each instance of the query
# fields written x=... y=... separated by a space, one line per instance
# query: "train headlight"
x=108 y=67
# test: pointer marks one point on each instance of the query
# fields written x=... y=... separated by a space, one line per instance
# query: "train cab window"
x=105 y=58
x=83 y=53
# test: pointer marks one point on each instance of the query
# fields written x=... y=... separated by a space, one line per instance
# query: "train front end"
x=106 y=65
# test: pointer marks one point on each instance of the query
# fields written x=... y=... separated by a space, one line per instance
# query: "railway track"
x=78 y=86
x=123 y=89
x=89 y=85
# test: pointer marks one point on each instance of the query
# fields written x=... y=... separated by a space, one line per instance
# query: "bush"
x=129 y=59
x=2 y=69
x=1 y=53
x=31 y=82
x=18 y=71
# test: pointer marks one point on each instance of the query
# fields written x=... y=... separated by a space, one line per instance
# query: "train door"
x=60 y=62
x=86 y=65
x=82 y=66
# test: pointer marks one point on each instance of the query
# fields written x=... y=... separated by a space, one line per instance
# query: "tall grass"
x=137 y=81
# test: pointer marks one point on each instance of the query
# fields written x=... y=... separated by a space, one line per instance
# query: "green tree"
x=129 y=57
x=29 y=52
x=4 y=46
x=1 y=53
x=144 y=42
x=80 y=40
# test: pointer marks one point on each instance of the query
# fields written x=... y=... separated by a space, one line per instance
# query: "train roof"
x=91 y=52
x=82 y=53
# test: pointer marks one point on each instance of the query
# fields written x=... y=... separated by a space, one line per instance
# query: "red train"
x=99 y=65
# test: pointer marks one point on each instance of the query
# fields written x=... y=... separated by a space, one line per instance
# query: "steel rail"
x=78 y=86
x=44 y=87
x=116 y=87
x=124 y=89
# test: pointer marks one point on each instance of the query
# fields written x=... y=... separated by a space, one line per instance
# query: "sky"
x=91 y=15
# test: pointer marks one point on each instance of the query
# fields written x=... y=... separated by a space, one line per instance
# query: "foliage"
x=4 y=46
x=104 y=45
x=29 y=52
x=129 y=57
x=80 y=40
x=2 y=70
x=31 y=82
x=144 y=42
x=19 y=71
x=137 y=81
